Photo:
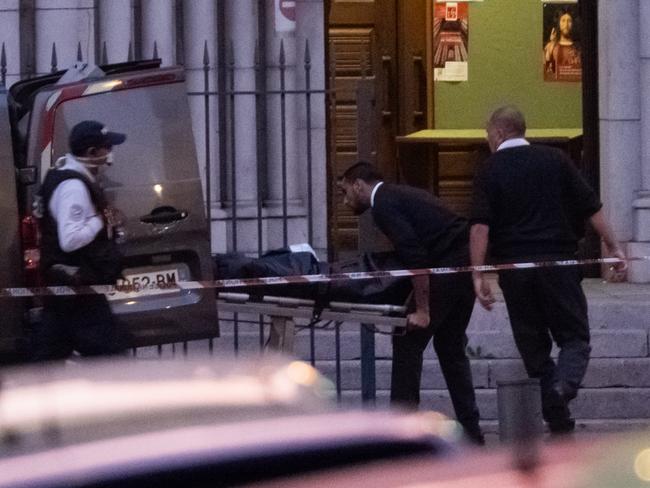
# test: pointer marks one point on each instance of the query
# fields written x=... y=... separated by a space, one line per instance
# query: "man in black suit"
x=425 y=234
x=531 y=204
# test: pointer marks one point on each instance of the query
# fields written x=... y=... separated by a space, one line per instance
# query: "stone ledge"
x=592 y=403
x=601 y=373
x=587 y=426
x=485 y=345
x=431 y=375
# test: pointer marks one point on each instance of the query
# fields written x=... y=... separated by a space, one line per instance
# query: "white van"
x=155 y=182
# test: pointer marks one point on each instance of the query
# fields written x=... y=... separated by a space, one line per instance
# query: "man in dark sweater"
x=531 y=204
x=424 y=234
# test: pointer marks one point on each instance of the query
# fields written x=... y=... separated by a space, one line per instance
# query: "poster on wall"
x=561 y=41
x=450 y=41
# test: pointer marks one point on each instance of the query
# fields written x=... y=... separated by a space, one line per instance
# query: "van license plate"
x=150 y=281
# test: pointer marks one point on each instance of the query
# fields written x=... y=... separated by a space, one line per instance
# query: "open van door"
x=154 y=182
x=10 y=251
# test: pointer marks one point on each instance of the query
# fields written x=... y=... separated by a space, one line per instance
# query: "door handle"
x=387 y=67
x=421 y=89
x=164 y=215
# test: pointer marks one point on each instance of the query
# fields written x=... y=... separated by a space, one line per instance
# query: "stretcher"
x=283 y=312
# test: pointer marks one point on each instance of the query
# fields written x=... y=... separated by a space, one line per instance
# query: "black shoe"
x=474 y=436
x=558 y=396
x=561 y=426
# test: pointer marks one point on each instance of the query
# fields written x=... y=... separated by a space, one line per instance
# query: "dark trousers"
x=75 y=323
x=546 y=305
x=451 y=300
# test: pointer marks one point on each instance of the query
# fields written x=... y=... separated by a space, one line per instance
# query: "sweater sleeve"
x=76 y=217
x=582 y=197
x=481 y=209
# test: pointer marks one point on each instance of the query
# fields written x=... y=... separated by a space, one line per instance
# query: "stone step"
x=602 y=373
x=491 y=427
x=603 y=314
x=606 y=343
x=611 y=305
x=592 y=403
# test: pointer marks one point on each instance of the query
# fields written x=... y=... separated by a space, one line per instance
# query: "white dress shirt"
x=71 y=206
x=516 y=142
x=374 y=190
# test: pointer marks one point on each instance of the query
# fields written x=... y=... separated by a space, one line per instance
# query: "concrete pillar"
x=68 y=23
x=241 y=39
x=200 y=27
x=640 y=272
x=310 y=26
x=10 y=37
x=159 y=27
x=295 y=199
x=620 y=114
x=115 y=29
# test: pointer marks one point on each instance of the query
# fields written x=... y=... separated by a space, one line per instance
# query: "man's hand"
x=600 y=225
x=617 y=269
x=417 y=320
x=62 y=274
x=114 y=216
x=483 y=291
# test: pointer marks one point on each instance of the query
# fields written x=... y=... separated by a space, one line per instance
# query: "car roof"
x=603 y=460
x=132 y=421
x=232 y=453
x=95 y=399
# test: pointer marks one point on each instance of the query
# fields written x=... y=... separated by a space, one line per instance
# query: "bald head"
x=510 y=120
x=505 y=123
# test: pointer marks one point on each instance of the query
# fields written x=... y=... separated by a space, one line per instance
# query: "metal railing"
x=244 y=332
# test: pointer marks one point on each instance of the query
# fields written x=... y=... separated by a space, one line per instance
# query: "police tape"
x=126 y=290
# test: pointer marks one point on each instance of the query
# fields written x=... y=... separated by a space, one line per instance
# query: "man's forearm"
x=602 y=228
x=478 y=243
x=421 y=293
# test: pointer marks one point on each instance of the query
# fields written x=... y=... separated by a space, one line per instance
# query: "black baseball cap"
x=91 y=133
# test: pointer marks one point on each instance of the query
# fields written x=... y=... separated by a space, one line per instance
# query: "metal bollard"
x=520 y=419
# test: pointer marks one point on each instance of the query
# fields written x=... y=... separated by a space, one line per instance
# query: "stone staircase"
x=616 y=390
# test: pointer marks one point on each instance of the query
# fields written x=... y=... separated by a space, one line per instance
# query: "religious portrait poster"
x=561 y=50
x=450 y=41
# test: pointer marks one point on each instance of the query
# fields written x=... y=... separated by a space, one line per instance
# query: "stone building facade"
x=181 y=29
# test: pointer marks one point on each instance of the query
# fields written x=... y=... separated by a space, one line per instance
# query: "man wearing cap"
x=78 y=248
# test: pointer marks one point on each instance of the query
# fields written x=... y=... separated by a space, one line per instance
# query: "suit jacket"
x=423 y=231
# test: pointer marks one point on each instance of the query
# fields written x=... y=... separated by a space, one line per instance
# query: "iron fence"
x=248 y=332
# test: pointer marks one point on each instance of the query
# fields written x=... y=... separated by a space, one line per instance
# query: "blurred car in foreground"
x=604 y=461
x=192 y=424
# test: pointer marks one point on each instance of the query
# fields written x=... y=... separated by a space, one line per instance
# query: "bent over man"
x=424 y=234
x=78 y=248
x=531 y=204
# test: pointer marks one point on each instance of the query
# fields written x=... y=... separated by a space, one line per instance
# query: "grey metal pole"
x=520 y=419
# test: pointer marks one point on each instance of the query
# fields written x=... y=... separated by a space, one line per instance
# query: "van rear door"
x=10 y=251
x=155 y=183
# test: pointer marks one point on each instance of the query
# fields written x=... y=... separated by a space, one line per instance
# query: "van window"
x=159 y=146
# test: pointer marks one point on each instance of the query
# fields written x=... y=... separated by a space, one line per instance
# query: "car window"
x=159 y=145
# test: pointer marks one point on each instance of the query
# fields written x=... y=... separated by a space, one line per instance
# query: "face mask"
x=97 y=162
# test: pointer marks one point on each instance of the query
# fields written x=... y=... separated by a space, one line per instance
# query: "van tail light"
x=31 y=243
